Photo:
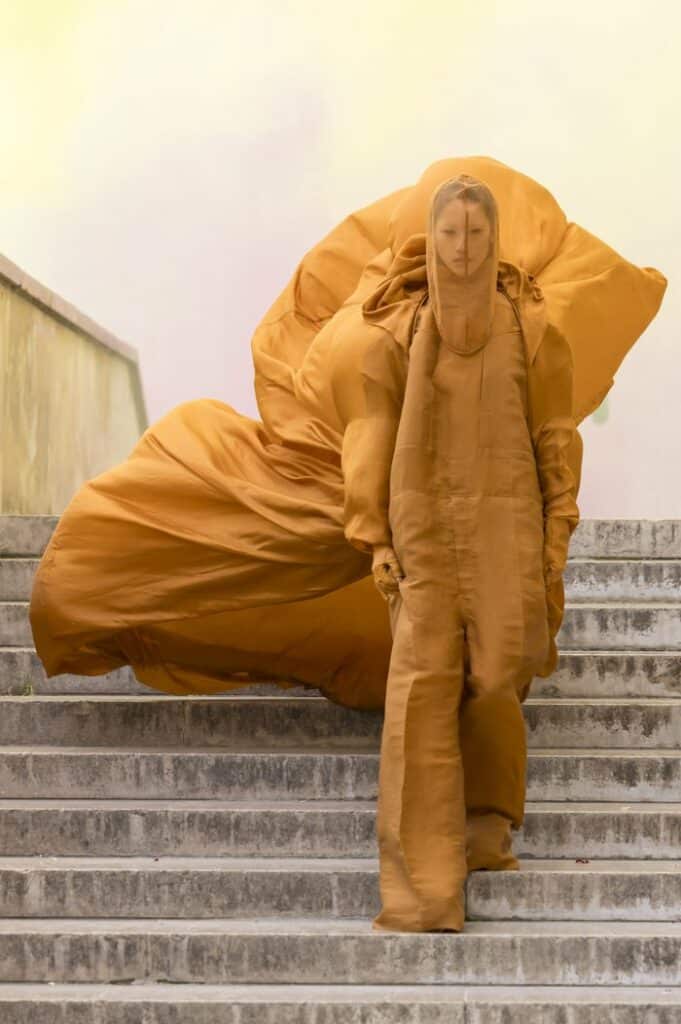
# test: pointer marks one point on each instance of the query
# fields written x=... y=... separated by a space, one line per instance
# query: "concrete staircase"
x=213 y=860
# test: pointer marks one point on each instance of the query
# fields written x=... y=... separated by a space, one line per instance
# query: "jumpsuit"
x=470 y=622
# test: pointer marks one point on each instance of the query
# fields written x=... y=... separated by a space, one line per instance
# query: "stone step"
x=174 y=887
x=638 y=580
x=593 y=538
x=21 y=673
x=620 y=626
x=336 y=1004
x=607 y=626
x=609 y=674
x=603 y=722
x=25 y=535
x=228 y=722
x=585 y=579
x=15 y=629
x=579 y=674
x=627 y=538
x=313 y=951
x=79 y=773
x=16 y=578
x=293 y=723
x=320 y=828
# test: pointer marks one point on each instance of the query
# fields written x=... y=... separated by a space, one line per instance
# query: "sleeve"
x=370 y=405
x=557 y=447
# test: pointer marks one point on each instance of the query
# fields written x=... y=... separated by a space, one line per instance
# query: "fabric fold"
x=234 y=530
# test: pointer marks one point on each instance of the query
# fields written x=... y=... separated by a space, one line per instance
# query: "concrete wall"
x=71 y=402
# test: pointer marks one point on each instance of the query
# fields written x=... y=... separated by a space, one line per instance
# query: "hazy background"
x=164 y=165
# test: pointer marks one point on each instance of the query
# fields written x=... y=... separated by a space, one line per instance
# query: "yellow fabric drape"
x=218 y=546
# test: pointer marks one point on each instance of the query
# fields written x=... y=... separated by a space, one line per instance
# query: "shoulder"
x=396 y=320
x=554 y=352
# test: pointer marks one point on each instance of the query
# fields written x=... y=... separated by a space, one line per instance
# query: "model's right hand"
x=387 y=571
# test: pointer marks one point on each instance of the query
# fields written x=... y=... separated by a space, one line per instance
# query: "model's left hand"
x=556 y=541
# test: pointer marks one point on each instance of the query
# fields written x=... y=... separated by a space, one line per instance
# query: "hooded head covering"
x=462 y=257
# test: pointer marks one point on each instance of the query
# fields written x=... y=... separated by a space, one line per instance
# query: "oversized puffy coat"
x=216 y=553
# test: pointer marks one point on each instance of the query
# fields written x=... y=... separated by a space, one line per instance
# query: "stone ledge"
x=335 y=1004
x=348 y=952
x=39 y=295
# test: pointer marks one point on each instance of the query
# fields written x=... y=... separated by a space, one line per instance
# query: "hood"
x=462 y=262
x=394 y=303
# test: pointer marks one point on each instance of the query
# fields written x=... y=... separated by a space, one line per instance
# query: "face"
x=462 y=237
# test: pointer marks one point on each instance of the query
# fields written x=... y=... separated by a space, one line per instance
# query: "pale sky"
x=164 y=166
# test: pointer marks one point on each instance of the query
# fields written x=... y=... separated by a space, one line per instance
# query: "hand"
x=552 y=573
x=387 y=571
x=555 y=605
x=556 y=541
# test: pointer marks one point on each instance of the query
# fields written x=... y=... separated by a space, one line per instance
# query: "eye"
x=476 y=231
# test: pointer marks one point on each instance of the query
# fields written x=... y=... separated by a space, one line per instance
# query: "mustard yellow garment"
x=218 y=547
x=461 y=490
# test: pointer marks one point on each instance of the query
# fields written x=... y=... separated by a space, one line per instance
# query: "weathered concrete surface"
x=336 y=1004
x=72 y=401
x=216 y=888
x=304 y=723
x=229 y=722
x=637 y=580
x=16 y=578
x=104 y=774
x=627 y=538
x=614 y=626
x=573 y=891
x=573 y=1005
x=21 y=673
x=26 y=536
x=610 y=674
x=15 y=629
x=238 y=836
x=603 y=722
x=204 y=1004
x=308 y=951
x=319 y=828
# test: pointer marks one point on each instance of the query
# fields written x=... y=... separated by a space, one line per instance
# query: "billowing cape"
x=215 y=554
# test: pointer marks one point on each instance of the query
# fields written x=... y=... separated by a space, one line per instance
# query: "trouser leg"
x=421 y=810
x=494 y=749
